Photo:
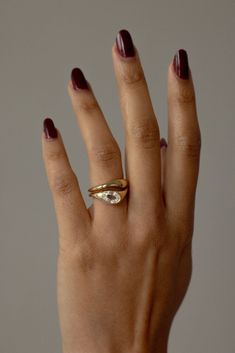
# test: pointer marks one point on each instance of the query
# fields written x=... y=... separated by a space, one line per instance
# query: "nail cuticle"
x=78 y=79
x=180 y=64
x=163 y=142
x=124 y=44
x=124 y=58
x=50 y=131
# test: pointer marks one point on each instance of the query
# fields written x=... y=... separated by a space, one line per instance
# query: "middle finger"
x=141 y=127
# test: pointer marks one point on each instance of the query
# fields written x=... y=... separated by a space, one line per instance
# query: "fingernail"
x=163 y=142
x=49 y=128
x=78 y=79
x=180 y=64
x=125 y=44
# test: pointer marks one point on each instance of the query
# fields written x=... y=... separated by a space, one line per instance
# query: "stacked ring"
x=112 y=192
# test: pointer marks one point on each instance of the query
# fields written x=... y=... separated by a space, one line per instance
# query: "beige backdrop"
x=41 y=41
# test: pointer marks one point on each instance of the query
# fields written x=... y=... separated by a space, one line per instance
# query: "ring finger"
x=102 y=149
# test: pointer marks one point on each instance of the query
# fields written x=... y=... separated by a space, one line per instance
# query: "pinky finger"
x=71 y=212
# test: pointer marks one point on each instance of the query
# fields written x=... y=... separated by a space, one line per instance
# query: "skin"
x=123 y=270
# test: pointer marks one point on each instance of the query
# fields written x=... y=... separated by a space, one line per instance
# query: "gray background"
x=41 y=41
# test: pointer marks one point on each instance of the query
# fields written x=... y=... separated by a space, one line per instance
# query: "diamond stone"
x=109 y=196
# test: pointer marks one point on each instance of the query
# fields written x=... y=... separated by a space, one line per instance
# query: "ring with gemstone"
x=112 y=192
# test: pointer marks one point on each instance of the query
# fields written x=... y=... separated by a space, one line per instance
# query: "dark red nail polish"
x=49 y=128
x=180 y=64
x=125 y=44
x=78 y=79
x=163 y=142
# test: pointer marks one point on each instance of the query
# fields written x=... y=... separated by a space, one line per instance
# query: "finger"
x=184 y=139
x=70 y=207
x=141 y=127
x=103 y=152
x=163 y=147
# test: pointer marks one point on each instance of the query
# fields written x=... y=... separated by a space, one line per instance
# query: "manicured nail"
x=125 y=44
x=180 y=64
x=163 y=142
x=49 y=128
x=78 y=79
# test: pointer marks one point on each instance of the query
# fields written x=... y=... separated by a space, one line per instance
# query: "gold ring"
x=112 y=192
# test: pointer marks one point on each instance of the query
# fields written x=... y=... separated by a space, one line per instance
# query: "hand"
x=123 y=270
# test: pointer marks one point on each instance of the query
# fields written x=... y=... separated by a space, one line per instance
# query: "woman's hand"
x=124 y=269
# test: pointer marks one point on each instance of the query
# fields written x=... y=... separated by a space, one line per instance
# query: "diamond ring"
x=112 y=192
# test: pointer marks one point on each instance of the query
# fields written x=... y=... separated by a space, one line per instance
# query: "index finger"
x=72 y=215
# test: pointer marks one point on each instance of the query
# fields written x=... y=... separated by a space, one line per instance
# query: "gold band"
x=112 y=192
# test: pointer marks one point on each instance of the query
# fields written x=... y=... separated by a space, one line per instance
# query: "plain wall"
x=41 y=41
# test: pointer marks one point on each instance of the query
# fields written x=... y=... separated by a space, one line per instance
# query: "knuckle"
x=63 y=184
x=185 y=235
x=145 y=134
x=149 y=232
x=133 y=75
x=140 y=239
x=82 y=257
x=190 y=146
x=148 y=239
x=88 y=105
x=85 y=258
x=185 y=96
x=105 y=154
x=182 y=229
x=55 y=155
